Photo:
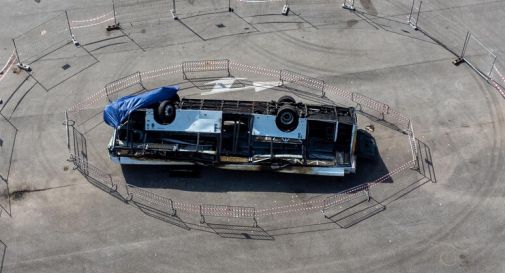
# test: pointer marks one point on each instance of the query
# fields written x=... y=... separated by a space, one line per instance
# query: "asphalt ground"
x=448 y=217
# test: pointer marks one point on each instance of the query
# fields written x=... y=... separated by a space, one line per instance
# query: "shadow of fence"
x=3 y=251
x=353 y=211
x=8 y=134
x=361 y=205
x=425 y=161
x=240 y=232
x=97 y=177
x=172 y=219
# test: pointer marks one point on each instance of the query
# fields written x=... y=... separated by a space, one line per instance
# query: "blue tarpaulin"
x=116 y=112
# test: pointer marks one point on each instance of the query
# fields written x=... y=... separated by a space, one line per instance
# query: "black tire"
x=286 y=99
x=166 y=112
x=287 y=118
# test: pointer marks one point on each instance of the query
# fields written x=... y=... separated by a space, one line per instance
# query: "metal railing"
x=142 y=196
x=301 y=80
x=118 y=85
x=480 y=57
x=205 y=66
x=170 y=206
x=226 y=211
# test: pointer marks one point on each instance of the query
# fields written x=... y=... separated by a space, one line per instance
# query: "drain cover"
x=220 y=25
x=66 y=66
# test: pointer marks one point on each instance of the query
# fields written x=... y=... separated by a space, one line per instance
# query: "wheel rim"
x=287 y=118
x=169 y=110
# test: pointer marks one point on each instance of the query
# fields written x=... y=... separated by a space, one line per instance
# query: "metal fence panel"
x=8 y=133
x=478 y=55
x=89 y=25
x=80 y=149
x=498 y=77
x=498 y=73
x=151 y=199
x=142 y=196
x=227 y=211
x=302 y=80
x=130 y=11
x=112 y=89
x=205 y=65
x=190 y=67
x=415 y=11
x=442 y=26
x=43 y=39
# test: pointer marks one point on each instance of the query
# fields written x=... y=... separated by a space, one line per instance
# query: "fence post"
x=461 y=57
x=184 y=77
x=411 y=11
x=254 y=219
x=492 y=66
x=230 y=9
x=349 y=6
x=113 y=186
x=202 y=218
x=68 y=24
x=74 y=140
x=228 y=67
x=129 y=196
x=107 y=93
x=173 y=11
x=467 y=39
x=114 y=12
x=17 y=53
x=68 y=133
x=418 y=13
x=174 y=211
x=140 y=80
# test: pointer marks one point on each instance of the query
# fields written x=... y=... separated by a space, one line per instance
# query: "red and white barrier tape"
x=499 y=74
x=94 y=24
x=255 y=69
x=91 y=19
x=8 y=61
x=498 y=87
x=346 y=195
x=7 y=67
x=102 y=92
x=315 y=204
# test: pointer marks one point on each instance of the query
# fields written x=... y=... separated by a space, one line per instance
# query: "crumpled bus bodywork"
x=241 y=135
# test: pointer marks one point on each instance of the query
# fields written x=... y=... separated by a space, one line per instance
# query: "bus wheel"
x=287 y=118
x=166 y=112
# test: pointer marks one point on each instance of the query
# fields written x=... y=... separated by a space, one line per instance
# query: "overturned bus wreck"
x=158 y=128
